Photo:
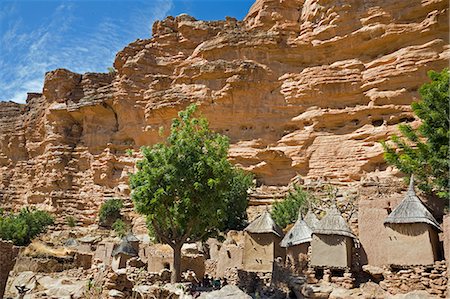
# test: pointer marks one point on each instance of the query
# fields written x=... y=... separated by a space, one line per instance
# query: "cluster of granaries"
x=328 y=243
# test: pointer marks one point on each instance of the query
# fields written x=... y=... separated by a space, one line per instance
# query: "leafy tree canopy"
x=110 y=211
x=186 y=187
x=286 y=212
x=22 y=227
x=424 y=151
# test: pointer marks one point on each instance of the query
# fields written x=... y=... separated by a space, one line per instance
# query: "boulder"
x=412 y=295
x=228 y=291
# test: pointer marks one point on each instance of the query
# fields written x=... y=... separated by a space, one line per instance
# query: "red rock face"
x=304 y=89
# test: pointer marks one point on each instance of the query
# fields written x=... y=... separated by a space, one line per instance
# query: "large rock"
x=48 y=286
x=412 y=295
x=228 y=291
x=302 y=88
x=8 y=254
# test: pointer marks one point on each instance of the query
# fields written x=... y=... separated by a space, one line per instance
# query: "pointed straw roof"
x=130 y=237
x=333 y=224
x=298 y=234
x=125 y=248
x=412 y=210
x=311 y=219
x=264 y=224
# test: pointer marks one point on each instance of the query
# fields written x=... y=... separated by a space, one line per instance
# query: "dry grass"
x=39 y=249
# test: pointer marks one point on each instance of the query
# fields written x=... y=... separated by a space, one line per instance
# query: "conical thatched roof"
x=264 y=224
x=311 y=220
x=412 y=210
x=333 y=224
x=71 y=243
x=125 y=248
x=298 y=234
x=130 y=237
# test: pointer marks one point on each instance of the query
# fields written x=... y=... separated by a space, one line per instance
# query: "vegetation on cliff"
x=424 y=151
x=187 y=188
x=22 y=227
x=286 y=212
x=110 y=211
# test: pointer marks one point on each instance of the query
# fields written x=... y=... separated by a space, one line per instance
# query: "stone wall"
x=446 y=228
x=8 y=254
x=433 y=279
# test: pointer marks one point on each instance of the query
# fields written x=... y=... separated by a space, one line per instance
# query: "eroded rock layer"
x=303 y=88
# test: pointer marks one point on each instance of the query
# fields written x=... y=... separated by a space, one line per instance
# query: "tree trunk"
x=176 y=271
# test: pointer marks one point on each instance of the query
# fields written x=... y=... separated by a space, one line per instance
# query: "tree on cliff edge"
x=187 y=188
x=424 y=151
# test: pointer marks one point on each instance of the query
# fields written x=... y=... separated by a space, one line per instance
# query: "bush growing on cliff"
x=22 y=227
x=187 y=188
x=424 y=151
x=286 y=212
x=71 y=221
x=110 y=211
x=120 y=228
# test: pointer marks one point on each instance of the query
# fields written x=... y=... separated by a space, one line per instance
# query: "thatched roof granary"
x=264 y=224
x=412 y=232
x=262 y=244
x=297 y=242
x=298 y=234
x=412 y=210
x=333 y=224
x=332 y=242
x=311 y=219
x=125 y=248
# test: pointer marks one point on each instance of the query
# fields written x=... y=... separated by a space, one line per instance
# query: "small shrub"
x=21 y=228
x=286 y=212
x=110 y=211
x=120 y=228
x=71 y=221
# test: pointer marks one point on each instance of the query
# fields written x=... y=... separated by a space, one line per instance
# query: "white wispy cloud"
x=26 y=56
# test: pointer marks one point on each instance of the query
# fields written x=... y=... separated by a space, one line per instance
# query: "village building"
x=160 y=256
x=122 y=253
x=103 y=253
x=262 y=244
x=332 y=242
x=229 y=255
x=311 y=220
x=412 y=232
x=133 y=240
x=297 y=242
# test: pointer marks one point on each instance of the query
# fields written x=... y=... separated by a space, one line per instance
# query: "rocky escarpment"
x=304 y=89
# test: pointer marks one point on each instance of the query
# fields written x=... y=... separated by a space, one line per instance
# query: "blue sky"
x=83 y=36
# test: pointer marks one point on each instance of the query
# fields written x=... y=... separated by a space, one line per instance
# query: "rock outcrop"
x=304 y=89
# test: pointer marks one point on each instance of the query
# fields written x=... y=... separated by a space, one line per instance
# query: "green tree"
x=187 y=188
x=286 y=212
x=120 y=228
x=22 y=227
x=110 y=211
x=424 y=151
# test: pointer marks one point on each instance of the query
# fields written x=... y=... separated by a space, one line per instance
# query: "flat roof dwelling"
x=332 y=242
x=122 y=254
x=262 y=244
x=297 y=242
x=412 y=232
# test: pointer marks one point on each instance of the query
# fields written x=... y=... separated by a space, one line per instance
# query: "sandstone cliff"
x=303 y=88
